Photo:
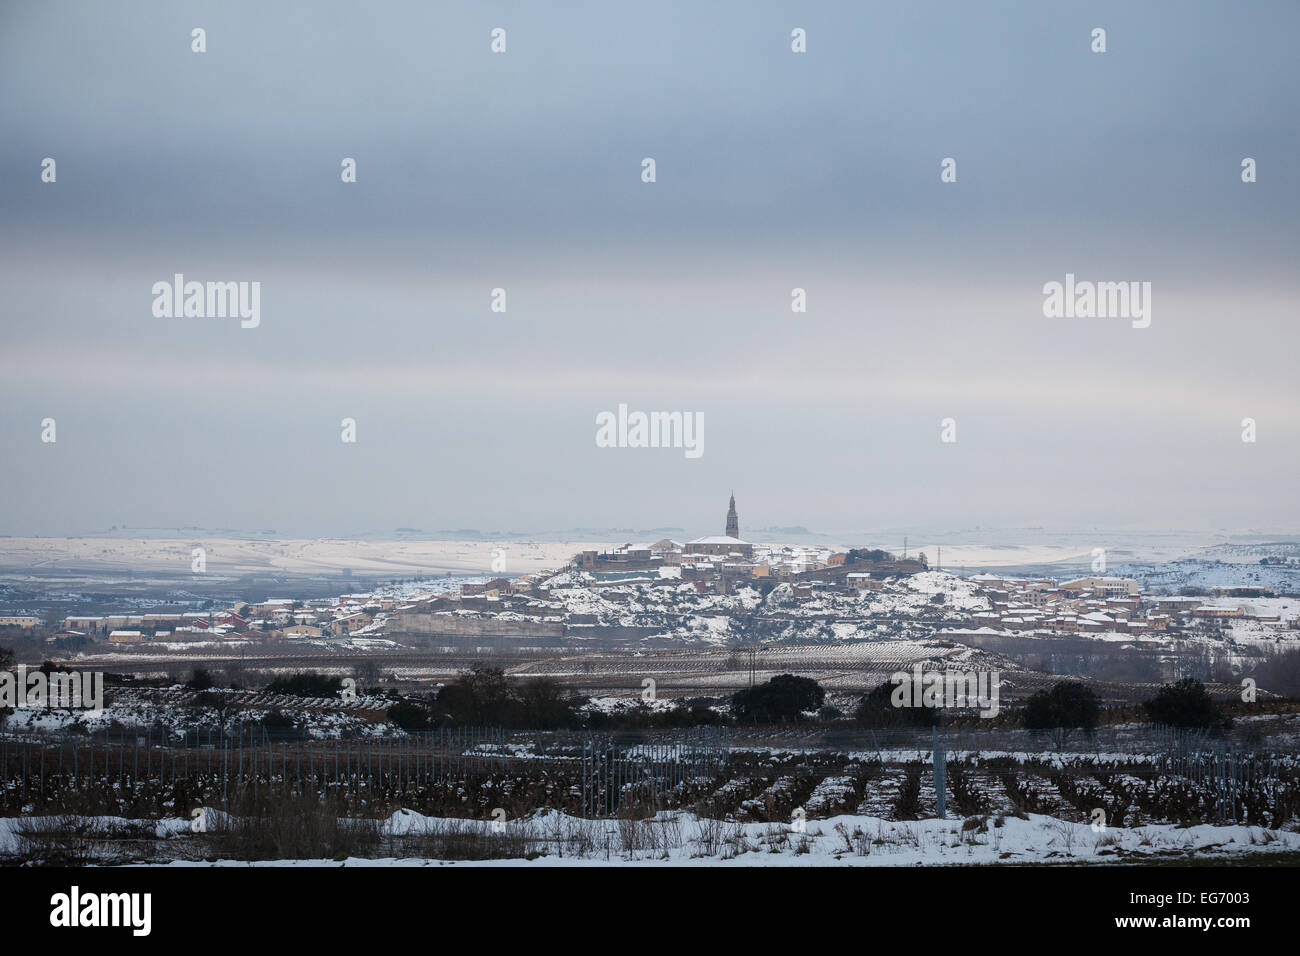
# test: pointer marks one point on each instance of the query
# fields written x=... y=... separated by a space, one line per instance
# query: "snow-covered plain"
x=684 y=839
x=236 y=556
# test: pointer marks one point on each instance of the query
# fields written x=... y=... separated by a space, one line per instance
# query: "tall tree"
x=1067 y=707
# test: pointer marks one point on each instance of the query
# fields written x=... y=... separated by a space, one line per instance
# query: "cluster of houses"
x=272 y=619
x=731 y=563
x=525 y=594
x=721 y=563
x=669 y=563
x=716 y=564
x=1098 y=605
x=349 y=615
x=19 y=620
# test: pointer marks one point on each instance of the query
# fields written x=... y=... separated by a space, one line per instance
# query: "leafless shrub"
x=713 y=835
x=63 y=840
x=965 y=794
x=294 y=827
x=1064 y=835
x=907 y=805
x=845 y=836
x=1280 y=672
x=472 y=840
x=657 y=835
x=1110 y=840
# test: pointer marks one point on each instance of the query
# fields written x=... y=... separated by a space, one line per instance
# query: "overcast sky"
x=522 y=170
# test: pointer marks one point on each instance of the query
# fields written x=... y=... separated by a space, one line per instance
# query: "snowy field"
x=237 y=556
x=1218 y=559
x=677 y=839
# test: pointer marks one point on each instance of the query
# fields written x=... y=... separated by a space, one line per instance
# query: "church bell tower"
x=733 y=523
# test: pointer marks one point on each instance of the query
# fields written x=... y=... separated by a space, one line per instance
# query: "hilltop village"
x=715 y=590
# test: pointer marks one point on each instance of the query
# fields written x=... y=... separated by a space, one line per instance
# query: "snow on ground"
x=140 y=714
x=11 y=827
x=237 y=556
x=916 y=591
x=619 y=705
x=1207 y=573
x=705 y=618
x=684 y=839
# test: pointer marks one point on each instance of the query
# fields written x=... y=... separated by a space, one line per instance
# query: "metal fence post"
x=940 y=773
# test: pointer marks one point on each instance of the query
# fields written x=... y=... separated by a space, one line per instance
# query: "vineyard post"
x=940 y=773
